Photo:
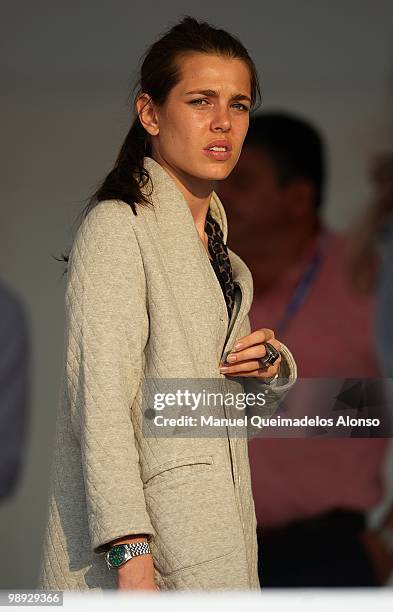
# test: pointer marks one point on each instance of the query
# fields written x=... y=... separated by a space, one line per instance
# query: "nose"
x=221 y=120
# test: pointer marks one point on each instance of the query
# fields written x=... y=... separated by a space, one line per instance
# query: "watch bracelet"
x=136 y=549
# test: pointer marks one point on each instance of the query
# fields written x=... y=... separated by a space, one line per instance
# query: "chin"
x=219 y=171
x=223 y=174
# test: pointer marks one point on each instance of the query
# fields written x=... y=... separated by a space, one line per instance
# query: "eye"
x=198 y=100
x=243 y=106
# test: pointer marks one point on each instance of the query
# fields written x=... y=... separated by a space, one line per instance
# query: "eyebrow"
x=213 y=94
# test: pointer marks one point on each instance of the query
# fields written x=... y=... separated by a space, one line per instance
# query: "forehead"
x=208 y=71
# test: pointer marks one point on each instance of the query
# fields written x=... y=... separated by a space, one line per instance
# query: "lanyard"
x=304 y=285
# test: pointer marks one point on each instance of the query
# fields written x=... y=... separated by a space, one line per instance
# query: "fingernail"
x=238 y=346
x=223 y=369
x=231 y=358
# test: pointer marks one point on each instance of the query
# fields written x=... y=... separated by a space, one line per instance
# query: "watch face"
x=116 y=555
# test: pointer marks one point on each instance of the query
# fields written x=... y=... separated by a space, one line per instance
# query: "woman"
x=143 y=302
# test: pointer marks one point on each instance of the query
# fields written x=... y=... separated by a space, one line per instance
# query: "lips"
x=221 y=154
x=219 y=143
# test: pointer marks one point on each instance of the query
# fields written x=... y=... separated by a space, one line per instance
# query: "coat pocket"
x=192 y=508
x=178 y=468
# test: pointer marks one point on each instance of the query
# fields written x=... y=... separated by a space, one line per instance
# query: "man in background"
x=311 y=495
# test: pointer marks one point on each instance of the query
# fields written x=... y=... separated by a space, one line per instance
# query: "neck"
x=270 y=258
x=197 y=193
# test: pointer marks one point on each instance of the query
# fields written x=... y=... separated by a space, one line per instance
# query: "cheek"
x=182 y=134
x=239 y=132
x=241 y=129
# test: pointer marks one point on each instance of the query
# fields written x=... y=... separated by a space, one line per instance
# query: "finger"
x=250 y=366
x=260 y=373
x=256 y=337
x=239 y=368
x=257 y=351
x=269 y=372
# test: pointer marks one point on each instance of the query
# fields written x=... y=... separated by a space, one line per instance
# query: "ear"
x=147 y=114
x=300 y=196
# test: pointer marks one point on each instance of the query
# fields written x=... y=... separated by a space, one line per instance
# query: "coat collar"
x=180 y=245
x=175 y=206
x=162 y=181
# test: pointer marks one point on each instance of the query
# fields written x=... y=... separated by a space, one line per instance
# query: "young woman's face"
x=210 y=103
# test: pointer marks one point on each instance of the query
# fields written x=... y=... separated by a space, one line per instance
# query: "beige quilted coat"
x=142 y=300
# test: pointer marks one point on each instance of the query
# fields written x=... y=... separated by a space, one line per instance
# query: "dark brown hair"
x=159 y=73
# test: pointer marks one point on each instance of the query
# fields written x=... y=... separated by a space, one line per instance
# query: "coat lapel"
x=195 y=287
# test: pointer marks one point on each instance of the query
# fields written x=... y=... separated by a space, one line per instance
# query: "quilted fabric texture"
x=133 y=312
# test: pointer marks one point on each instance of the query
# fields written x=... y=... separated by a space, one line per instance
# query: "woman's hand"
x=137 y=574
x=243 y=360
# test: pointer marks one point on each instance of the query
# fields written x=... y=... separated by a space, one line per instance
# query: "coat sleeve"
x=105 y=334
x=277 y=389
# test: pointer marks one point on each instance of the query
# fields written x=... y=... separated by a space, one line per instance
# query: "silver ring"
x=272 y=355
